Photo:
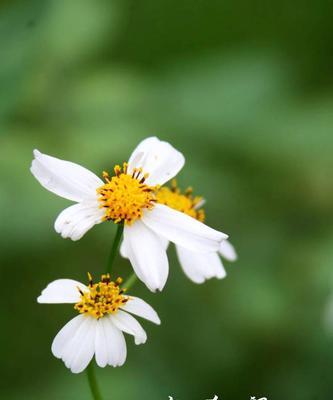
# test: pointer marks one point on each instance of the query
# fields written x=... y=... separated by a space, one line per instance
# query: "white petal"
x=65 y=178
x=181 y=229
x=142 y=309
x=147 y=255
x=200 y=266
x=124 y=251
x=164 y=242
x=84 y=345
x=137 y=267
x=66 y=334
x=228 y=251
x=130 y=325
x=158 y=158
x=72 y=347
x=101 y=343
x=218 y=269
x=115 y=342
x=74 y=221
x=62 y=291
x=75 y=343
x=110 y=345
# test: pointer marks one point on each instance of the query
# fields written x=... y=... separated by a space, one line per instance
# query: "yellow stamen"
x=186 y=203
x=103 y=298
x=124 y=196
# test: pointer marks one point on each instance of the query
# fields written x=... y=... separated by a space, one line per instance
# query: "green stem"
x=130 y=281
x=96 y=394
x=115 y=246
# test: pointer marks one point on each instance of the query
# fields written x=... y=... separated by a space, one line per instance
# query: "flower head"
x=128 y=197
x=102 y=298
x=124 y=196
x=98 y=329
x=183 y=202
x=197 y=266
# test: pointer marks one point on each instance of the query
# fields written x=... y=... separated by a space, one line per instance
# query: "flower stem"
x=96 y=394
x=115 y=246
x=130 y=281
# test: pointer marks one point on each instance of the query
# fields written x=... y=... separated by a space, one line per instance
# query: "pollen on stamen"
x=183 y=202
x=102 y=298
x=125 y=196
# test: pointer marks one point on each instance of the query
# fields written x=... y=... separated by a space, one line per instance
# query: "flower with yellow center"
x=183 y=202
x=124 y=197
x=98 y=329
x=104 y=297
x=197 y=266
x=128 y=197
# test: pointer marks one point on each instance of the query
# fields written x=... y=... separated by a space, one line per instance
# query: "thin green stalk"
x=114 y=248
x=130 y=281
x=96 y=394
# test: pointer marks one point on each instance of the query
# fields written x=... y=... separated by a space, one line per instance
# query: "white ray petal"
x=85 y=346
x=65 y=335
x=101 y=343
x=200 y=266
x=62 y=291
x=115 y=342
x=228 y=251
x=72 y=347
x=124 y=251
x=142 y=309
x=147 y=255
x=127 y=323
x=181 y=229
x=74 y=221
x=158 y=158
x=64 y=178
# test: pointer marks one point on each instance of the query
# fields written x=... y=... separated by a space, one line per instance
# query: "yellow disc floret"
x=183 y=202
x=103 y=298
x=124 y=196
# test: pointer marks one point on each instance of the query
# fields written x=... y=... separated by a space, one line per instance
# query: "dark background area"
x=244 y=90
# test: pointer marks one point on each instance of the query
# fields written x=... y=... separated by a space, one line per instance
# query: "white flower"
x=128 y=197
x=98 y=330
x=197 y=266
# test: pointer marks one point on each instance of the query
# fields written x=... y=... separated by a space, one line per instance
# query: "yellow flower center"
x=124 y=196
x=104 y=297
x=186 y=203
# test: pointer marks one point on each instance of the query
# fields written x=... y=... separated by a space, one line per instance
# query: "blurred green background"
x=245 y=91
